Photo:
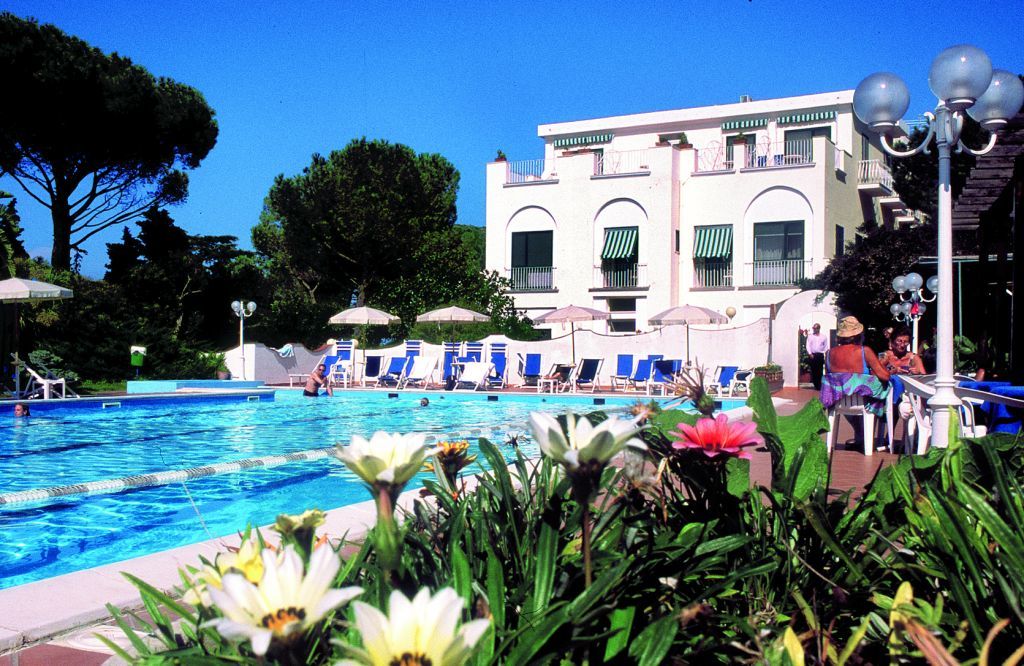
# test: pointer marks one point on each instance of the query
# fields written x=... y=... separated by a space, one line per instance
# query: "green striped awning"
x=806 y=117
x=746 y=123
x=713 y=242
x=619 y=243
x=568 y=142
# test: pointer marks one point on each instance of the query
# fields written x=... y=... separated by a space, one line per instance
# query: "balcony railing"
x=532 y=278
x=712 y=274
x=875 y=172
x=530 y=171
x=626 y=278
x=712 y=158
x=781 y=273
x=779 y=153
x=621 y=162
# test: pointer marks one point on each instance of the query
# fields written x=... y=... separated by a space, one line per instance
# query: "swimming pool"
x=75 y=446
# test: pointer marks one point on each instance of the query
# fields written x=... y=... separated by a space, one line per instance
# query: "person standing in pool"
x=315 y=381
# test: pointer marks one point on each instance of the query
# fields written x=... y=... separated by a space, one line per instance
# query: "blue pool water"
x=67 y=446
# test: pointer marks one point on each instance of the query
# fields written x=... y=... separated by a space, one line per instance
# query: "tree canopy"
x=93 y=137
x=373 y=223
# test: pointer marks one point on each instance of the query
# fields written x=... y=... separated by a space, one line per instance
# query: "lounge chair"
x=499 y=359
x=663 y=371
x=529 y=369
x=413 y=347
x=586 y=374
x=641 y=375
x=623 y=370
x=721 y=379
x=474 y=375
x=474 y=351
x=44 y=387
x=558 y=379
x=451 y=354
x=341 y=373
x=394 y=372
x=421 y=372
x=741 y=382
x=371 y=368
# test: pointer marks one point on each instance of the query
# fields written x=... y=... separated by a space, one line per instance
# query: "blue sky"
x=464 y=79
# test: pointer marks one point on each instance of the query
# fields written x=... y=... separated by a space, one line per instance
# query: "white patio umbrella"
x=571 y=314
x=452 y=314
x=363 y=316
x=687 y=315
x=21 y=290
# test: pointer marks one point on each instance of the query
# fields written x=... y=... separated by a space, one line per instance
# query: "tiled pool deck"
x=56 y=618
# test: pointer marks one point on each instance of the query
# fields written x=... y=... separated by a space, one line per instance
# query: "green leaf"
x=461 y=574
x=737 y=476
x=654 y=642
x=667 y=421
x=621 y=625
x=496 y=588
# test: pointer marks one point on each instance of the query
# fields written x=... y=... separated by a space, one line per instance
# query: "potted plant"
x=500 y=157
x=772 y=373
x=740 y=138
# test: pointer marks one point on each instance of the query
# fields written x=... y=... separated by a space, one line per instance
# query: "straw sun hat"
x=849 y=327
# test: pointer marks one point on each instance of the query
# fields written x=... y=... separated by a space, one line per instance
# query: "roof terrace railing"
x=621 y=162
x=530 y=171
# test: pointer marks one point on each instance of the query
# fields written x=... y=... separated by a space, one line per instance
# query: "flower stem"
x=587 y=570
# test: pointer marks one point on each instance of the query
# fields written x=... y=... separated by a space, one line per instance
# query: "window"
x=621 y=305
x=619 y=257
x=712 y=256
x=778 y=253
x=622 y=325
x=677 y=241
x=800 y=142
x=840 y=241
x=865 y=147
x=531 y=268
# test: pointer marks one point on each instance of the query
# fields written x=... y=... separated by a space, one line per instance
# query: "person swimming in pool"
x=424 y=402
x=21 y=409
x=315 y=381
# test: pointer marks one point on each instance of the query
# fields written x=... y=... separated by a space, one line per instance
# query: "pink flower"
x=716 y=436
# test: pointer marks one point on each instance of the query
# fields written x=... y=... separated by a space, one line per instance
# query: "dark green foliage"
x=93 y=136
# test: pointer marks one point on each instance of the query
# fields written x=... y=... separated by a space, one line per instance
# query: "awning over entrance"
x=568 y=142
x=619 y=243
x=806 y=117
x=713 y=242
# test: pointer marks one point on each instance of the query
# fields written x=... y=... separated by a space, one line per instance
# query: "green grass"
x=95 y=386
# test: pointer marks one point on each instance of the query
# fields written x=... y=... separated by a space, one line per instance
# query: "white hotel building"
x=720 y=206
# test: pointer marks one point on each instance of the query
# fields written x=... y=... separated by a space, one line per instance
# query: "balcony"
x=620 y=163
x=632 y=277
x=771 y=155
x=712 y=275
x=524 y=172
x=532 y=278
x=874 y=178
x=780 y=273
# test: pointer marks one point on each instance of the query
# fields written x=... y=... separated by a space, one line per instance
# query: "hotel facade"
x=726 y=207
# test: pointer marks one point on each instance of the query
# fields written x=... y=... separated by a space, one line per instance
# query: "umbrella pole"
x=687 y=344
x=572 y=336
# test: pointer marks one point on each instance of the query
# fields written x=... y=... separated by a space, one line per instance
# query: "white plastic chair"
x=46 y=387
x=474 y=375
x=421 y=373
x=853 y=405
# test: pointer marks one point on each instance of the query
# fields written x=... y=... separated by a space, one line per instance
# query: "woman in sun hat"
x=853 y=369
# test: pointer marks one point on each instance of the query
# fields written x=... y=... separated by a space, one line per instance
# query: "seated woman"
x=898 y=359
x=853 y=369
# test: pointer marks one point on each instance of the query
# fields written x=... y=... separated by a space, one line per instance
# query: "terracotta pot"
x=774 y=379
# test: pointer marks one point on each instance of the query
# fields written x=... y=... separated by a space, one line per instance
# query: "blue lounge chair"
x=499 y=359
x=586 y=374
x=623 y=370
x=721 y=379
x=413 y=347
x=641 y=375
x=529 y=369
x=394 y=372
x=474 y=352
x=371 y=368
x=451 y=354
x=663 y=372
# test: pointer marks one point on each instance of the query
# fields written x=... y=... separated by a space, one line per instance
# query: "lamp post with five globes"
x=963 y=80
x=243 y=311
x=912 y=299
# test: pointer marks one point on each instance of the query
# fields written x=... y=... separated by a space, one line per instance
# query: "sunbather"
x=315 y=381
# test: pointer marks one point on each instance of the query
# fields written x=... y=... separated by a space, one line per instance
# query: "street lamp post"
x=243 y=311
x=963 y=80
x=912 y=299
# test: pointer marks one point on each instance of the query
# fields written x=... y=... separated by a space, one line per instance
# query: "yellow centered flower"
x=284 y=603
x=581 y=443
x=247 y=561
x=198 y=592
x=422 y=631
x=386 y=459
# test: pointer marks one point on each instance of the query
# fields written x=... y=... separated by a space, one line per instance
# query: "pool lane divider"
x=191 y=473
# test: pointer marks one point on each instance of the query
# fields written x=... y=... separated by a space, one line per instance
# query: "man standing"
x=817 y=347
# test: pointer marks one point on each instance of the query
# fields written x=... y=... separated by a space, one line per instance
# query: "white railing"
x=712 y=274
x=532 y=278
x=764 y=155
x=712 y=158
x=875 y=172
x=530 y=171
x=632 y=276
x=611 y=163
x=783 y=272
